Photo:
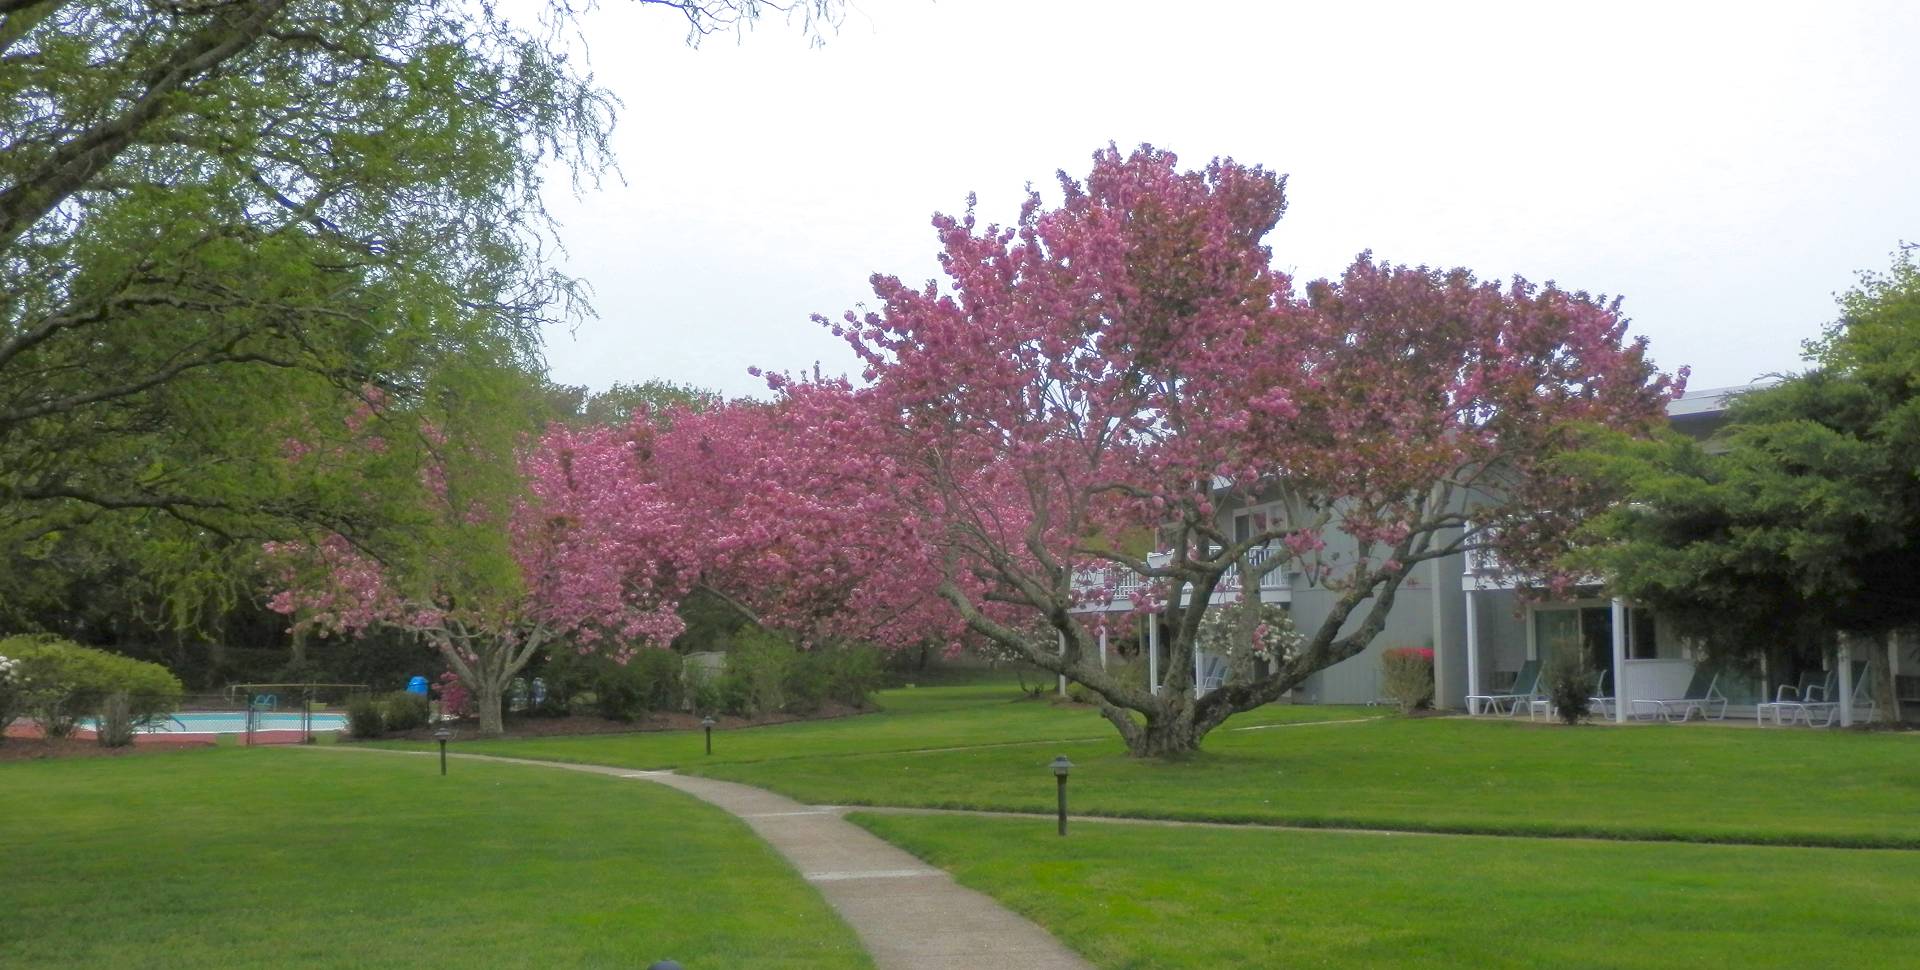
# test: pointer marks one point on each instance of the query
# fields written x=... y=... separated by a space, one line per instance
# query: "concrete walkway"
x=909 y=915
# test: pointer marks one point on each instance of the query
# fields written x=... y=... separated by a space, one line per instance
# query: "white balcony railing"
x=1110 y=587
x=1257 y=558
x=1484 y=570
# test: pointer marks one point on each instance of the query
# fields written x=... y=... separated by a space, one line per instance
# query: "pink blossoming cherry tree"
x=799 y=520
x=1129 y=363
x=579 y=554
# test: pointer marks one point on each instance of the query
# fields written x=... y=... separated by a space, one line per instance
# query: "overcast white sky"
x=1726 y=168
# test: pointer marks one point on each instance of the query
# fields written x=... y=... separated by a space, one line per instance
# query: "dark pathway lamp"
x=708 y=722
x=443 y=735
x=1060 y=768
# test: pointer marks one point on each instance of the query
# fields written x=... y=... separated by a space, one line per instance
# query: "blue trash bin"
x=418 y=685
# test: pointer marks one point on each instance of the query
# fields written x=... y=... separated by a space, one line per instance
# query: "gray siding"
x=1502 y=624
x=1356 y=680
x=1450 y=637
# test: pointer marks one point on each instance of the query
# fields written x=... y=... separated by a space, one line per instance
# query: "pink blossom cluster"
x=1129 y=363
x=804 y=516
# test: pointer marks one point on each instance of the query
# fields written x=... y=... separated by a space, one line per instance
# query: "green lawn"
x=909 y=719
x=273 y=858
x=267 y=857
x=1134 y=897
x=1458 y=775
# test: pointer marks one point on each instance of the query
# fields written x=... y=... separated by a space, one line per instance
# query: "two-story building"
x=1481 y=630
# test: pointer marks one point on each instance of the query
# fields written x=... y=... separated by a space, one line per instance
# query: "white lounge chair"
x=1602 y=699
x=1703 y=692
x=1827 y=712
x=1812 y=687
x=1213 y=673
x=1526 y=687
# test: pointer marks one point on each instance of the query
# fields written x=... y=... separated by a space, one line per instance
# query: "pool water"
x=235 y=722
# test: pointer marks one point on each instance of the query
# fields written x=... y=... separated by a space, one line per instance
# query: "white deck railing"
x=1122 y=583
x=1481 y=561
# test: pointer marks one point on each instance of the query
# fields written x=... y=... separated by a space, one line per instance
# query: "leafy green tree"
x=227 y=227
x=618 y=404
x=1800 y=519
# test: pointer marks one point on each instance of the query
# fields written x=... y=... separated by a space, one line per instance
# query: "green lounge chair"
x=1703 y=692
x=1526 y=687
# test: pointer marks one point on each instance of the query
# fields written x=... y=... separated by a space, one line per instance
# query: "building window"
x=1559 y=631
x=1643 y=641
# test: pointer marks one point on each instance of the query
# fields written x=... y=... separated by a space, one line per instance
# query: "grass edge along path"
x=1130 y=897
x=266 y=858
x=1442 y=775
x=908 y=916
x=1365 y=830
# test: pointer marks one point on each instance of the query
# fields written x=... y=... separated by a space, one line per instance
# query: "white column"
x=1893 y=716
x=1063 y=657
x=1846 y=681
x=1619 y=660
x=1103 y=644
x=1473 y=648
x=1442 y=656
x=1196 y=670
x=1153 y=653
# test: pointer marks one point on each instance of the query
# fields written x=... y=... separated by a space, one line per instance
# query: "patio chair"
x=1602 y=699
x=1526 y=687
x=1703 y=692
x=1813 y=686
x=1827 y=711
x=1213 y=674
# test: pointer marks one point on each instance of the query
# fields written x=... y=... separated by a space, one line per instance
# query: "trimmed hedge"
x=648 y=682
x=366 y=717
x=402 y=711
x=64 y=681
x=765 y=674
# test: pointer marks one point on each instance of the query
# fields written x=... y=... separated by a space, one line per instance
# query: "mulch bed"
x=24 y=743
x=587 y=724
x=23 y=748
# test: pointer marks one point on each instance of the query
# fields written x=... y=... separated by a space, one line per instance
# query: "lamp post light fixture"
x=442 y=735
x=1060 y=768
x=708 y=722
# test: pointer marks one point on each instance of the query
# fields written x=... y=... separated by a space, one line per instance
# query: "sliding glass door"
x=1587 y=630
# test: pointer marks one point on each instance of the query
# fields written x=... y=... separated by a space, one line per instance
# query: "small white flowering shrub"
x=1272 y=640
x=13 y=693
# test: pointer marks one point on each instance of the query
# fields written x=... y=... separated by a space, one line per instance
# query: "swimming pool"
x=235 y=722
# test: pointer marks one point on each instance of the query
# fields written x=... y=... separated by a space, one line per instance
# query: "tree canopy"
x=228 y=226
x=1129 y=361
x=1800 y=518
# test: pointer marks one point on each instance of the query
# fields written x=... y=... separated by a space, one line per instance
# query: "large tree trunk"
x=1886 y=701
x=489 y=668
x=1167 y=737
x=1174 y=719
x=1170 y=729
x=487 y=695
